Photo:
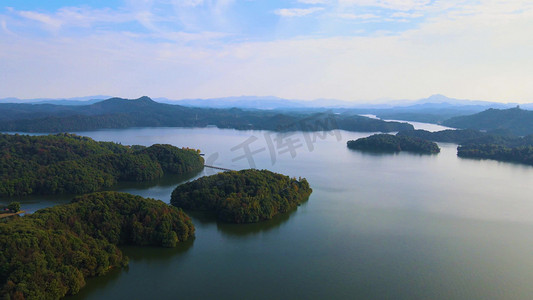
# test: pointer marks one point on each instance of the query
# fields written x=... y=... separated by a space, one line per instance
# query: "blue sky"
x=360 y=50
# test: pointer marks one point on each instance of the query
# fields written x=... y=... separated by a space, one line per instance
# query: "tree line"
x=244 y=196
x=500 y=145
x=144 y=112
x=67 y=163
x=394 y=143
x=515 y=120
x=50 y=253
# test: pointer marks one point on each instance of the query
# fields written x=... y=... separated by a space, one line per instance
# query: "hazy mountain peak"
x=438 y=98
x=141 y=100
x=145 y=99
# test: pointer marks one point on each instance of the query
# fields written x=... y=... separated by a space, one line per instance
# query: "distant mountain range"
x=270 y=103
x=437 y=109
x=256 y=102
x=144 y=112
x=67 y=101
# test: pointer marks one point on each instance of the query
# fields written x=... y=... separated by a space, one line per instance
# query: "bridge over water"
x=218 y=168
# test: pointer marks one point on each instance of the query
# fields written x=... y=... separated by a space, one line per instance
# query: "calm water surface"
x=377 y=226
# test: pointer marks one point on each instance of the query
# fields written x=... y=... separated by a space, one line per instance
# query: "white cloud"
x=185 y=37
x=314 y=1
x=390 y=4
x=358 y=17
x=406 y=15
x=472 y=50
x=221 y=6
x=297 y=12
x=189 y=2
x=78 y=17
x=3 y=24
x=71 y=18
x=47 y=20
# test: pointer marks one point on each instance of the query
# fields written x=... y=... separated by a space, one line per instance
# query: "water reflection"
x=375 y=153
x=250 y=229
x=151 y=254
x=378 y=153
x=160 y=188
x=32 y=203
x=231 y=230
x=136 y=254
x=99 y=283
x=171 y=180
x=515 y=164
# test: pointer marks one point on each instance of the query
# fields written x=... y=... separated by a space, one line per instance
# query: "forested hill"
x=244 y=196
x=67 y=163
x=394 y=143
x=50 y=253
x=144 y=112
x=458 y=136
x=501 y=148
x=516 y=120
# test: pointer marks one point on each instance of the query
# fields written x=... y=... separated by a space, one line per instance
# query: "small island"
x=394 y=143
x=245 y=196
x=500 y=148
x=499 y=145
x=457 y=136
x=50 y=253
x=71 y=164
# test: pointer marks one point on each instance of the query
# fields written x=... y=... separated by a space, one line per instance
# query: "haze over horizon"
x=355 y=50
x=251 y=100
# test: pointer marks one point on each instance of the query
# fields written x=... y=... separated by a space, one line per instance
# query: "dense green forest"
x=242 y=196
x=497 y=144
x=66 y=163
x=516 y=120
x=501 y=148
x=394 y=143
x=50 y=253
x=144 y=112
x=521 y=154
x=458 y=136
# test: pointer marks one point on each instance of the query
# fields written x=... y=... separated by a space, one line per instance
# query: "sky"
x=356 y=50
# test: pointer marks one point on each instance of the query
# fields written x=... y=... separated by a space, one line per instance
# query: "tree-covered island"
x=50 y=253
x=458 y=136
x=393 y=143
x=244 y=196
x=67 y=163
x=499 y=145
x=500 y=148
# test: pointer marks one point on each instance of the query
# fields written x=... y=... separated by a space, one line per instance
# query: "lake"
x=377 y=226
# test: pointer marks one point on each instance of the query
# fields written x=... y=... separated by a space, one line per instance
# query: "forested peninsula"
x=497 y=145
x=50 y=253
x=67 y=163
x=501 y=148
x=394 y=143
x=458 y=136
x=244 y=196
x=515 y=120
x=144 y=112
